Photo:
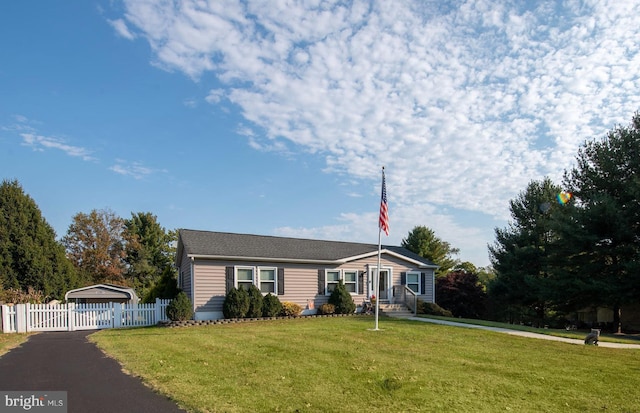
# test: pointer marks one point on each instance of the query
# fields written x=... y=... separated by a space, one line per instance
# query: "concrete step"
x=395 y=310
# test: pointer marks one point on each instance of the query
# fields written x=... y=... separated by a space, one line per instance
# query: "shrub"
x=236 y=303
x=290 y=309
x=271 y=305
x=433 y=309
x=342 y=300
x=255 y=303
x=17 y=296
x=326 y=309
x=180 y=309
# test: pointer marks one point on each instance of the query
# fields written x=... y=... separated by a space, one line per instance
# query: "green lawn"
x=337 y=365
x=9 y=341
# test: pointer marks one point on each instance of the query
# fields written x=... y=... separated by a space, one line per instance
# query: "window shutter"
x=360 y=282
x=403 y=278
x=280 y=281
x=321 y=282
x=423 y=282
x=228 y=279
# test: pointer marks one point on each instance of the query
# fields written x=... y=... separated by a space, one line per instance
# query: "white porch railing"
x=24 y=318
x=405 y=295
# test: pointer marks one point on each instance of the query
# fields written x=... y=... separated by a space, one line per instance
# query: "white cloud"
x=135 y=170
x=121 y=29
x=464 y=102
x=41 y=143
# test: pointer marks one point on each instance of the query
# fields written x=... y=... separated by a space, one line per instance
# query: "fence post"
x=117 y=315
x=71 y=319
x=6 y=324
x=158 y=311
x=21 y=318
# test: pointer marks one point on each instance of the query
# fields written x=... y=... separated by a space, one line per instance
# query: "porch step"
x=395 y=310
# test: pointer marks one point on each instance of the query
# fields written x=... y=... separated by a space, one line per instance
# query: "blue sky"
x=275 y=117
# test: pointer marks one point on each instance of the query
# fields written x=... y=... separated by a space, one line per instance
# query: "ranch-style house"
x=303 y=271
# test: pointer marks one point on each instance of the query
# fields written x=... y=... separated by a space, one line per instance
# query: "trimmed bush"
x=271 y=305
x=342 y=300
x=255 y=303
x=180 y=308
x=326 y=308
x=432 y=309
x=236 y=303
x=290 y=309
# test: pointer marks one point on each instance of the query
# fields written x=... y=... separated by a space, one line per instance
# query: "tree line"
x=561 y=255
x=99 y=247
x=567 y=247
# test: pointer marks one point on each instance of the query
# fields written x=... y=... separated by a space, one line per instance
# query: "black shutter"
x=228 y=279
x=361 y=282
x=321 y=282
x=280 y=281
x=403 y=278
x=423 y=282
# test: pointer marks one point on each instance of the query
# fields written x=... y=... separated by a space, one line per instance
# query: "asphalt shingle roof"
x=262 y=246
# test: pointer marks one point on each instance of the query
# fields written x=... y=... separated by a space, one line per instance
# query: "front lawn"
x=10 y=340
x=338 y=365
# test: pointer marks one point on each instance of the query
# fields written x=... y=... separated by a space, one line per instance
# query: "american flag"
x=383 y=221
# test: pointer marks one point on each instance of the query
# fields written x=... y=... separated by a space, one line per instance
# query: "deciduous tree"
x=95 y=245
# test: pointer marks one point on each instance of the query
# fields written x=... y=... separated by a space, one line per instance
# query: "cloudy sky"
x=275 y=117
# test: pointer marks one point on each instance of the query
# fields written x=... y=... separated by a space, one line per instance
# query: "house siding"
x=300 y=280
x=185 y=276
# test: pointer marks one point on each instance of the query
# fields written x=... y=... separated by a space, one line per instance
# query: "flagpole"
x=383 y=223
x=377 y=279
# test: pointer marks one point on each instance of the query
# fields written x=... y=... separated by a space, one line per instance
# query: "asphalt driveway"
x=67 y=361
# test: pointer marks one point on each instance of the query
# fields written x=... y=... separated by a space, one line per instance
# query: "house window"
x=268 y=280
x=351 y=281
x=413 y=281
x=244 y=278
x=332 y=279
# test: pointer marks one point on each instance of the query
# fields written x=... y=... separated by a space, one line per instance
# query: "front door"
x=384 y=280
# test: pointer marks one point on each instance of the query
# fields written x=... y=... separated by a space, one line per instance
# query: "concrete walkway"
x=523 y=333
x=67 y=361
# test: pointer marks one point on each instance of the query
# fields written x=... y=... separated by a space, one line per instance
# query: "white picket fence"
x=24 y=318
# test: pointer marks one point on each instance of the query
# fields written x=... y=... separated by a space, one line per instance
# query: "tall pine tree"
x=604 y=230
x=30 y=256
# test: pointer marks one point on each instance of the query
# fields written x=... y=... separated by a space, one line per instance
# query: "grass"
x=337 y=365
x=558 y=332
x=9 y=341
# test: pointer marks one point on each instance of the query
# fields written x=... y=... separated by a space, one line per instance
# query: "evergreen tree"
x=149 y=252
x=342 y=300
x=604 y=229
x=423 y=241
x=520 y=255
x=30 y=256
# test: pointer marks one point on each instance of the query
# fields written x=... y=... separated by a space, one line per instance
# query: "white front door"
x=385 y=283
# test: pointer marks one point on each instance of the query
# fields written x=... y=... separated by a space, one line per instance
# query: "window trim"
x=326 y=279
x=243 y=267
x=354 y=282
x=275 y=279
x=255 y=271
x=419 y=274
x=341 y=277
